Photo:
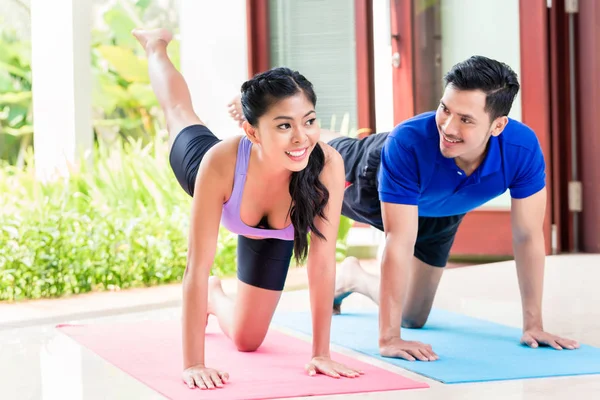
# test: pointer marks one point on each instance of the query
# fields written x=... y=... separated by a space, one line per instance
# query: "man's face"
x=463 y=124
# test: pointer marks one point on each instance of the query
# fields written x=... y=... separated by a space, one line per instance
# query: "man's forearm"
x=530 y=258
x=394 y=268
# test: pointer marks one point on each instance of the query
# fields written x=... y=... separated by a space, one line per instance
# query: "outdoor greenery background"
x=120 y=220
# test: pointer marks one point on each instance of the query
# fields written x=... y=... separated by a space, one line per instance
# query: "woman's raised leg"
x=168 y=84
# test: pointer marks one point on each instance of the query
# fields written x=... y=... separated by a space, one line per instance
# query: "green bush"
x=119 y=222
x=15 y=97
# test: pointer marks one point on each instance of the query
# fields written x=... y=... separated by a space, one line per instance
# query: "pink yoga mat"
x=150 y=351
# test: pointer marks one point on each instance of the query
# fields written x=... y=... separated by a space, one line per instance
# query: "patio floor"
x=39 y=363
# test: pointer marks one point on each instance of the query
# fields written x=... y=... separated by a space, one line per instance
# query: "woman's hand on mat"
x=204 y=378
x=537 y=337
x=411 y=351
x=326 y=366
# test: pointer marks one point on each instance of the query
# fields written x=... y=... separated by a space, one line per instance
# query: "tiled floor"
x=38 y=363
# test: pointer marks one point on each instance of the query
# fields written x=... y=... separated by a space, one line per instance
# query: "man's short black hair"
x=496 y=79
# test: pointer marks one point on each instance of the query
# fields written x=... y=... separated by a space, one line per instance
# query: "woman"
x=271 y=187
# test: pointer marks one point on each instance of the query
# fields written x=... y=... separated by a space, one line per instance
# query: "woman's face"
x=288 y=132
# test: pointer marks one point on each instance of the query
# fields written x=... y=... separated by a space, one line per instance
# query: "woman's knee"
x=245 y=342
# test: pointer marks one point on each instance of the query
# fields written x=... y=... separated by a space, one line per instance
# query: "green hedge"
x=120 y=221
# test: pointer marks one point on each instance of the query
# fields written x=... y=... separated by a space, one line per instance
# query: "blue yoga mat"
x=470 y=349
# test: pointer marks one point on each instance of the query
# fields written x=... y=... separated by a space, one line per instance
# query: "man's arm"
x=527 y=217
x=401 y=226
x=401 y=223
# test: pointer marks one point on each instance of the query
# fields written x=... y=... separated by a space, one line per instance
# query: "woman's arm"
x=210 y=192
x=321 y=261
x=321 y=266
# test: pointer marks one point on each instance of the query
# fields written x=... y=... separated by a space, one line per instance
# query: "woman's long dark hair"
x=309 y=195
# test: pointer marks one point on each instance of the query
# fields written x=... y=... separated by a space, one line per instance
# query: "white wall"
x=214 y=58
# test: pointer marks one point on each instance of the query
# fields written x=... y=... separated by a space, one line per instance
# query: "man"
x=417 y=182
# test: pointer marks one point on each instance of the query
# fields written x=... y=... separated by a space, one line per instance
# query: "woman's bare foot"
x=150 y=37
x=214 y=289
x=345 y=281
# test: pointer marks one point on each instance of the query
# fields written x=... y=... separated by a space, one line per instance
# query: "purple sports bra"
x=230 y=218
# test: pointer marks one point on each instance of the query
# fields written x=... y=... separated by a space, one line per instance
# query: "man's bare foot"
x=150 y=37
x=235 y=110
x=345 y=280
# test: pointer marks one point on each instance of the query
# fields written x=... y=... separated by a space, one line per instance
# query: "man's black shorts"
x=361 y=199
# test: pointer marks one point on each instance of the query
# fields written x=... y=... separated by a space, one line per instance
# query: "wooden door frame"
x=535 y=91
x=488 y=232
x=560 y=123
x=258 y=34
x=588 y=101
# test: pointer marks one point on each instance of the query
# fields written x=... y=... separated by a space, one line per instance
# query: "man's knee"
x=414 y=323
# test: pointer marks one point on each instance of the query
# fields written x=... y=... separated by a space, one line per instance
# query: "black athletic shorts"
x=263 y=263
x=361 y=199
x=189 y=147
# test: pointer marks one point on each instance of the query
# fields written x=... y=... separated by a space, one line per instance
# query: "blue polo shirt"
x=413 y=171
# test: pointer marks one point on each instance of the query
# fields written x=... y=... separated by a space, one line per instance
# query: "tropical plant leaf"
x=143 y=4
x=15 y=70
x=131 y=67
x=24 y=130
x=15 y=98
x=143 y=94
x=107 y=94
x=121 y=25
x=174 y=51
x=7 y=83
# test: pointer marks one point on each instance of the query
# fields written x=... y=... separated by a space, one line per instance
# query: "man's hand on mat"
x=537 y=337
x=411 y=351
x=204 y=378
x=326 y=366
